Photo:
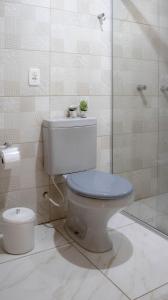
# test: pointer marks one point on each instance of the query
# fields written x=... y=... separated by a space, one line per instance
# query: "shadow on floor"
x=121 y=253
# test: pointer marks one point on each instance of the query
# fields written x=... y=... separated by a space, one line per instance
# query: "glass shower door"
x=140 y=117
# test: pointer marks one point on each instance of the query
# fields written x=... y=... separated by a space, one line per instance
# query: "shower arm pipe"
x=141 y=87
x=164 y=88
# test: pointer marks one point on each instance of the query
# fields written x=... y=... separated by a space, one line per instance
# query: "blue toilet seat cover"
x=99 y=185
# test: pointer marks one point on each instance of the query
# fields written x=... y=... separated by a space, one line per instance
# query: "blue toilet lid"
x=99 y=185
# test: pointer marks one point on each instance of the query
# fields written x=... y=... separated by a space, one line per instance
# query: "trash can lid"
x=18 y=215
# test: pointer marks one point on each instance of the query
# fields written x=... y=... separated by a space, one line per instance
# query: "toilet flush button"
x=34 y=76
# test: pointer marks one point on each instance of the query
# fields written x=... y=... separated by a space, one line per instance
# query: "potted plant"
x=83 y=108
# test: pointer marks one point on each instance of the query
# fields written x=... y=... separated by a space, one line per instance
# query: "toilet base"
x=87 y=220
x=90 y=241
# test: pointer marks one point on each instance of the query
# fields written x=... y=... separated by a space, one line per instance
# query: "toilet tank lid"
x=69 y=122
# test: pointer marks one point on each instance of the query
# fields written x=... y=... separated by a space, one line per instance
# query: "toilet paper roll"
x=9 y=157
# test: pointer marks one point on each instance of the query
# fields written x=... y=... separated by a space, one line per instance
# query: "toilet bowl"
x=70 y=147
x=93 y=197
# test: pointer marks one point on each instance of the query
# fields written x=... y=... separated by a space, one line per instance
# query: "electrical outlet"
x=34 y=77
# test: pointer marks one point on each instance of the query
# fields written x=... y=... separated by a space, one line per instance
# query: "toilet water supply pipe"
x=46 y=196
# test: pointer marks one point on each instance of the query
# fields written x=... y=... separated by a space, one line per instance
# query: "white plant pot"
x=83 y=114
x=72 y=114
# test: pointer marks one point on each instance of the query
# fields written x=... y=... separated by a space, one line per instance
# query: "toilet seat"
x=99 y=185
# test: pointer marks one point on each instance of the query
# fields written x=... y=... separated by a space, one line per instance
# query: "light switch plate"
x=34 y=76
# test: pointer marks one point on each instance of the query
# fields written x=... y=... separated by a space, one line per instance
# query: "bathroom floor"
x=58 y=269
x=153 y=211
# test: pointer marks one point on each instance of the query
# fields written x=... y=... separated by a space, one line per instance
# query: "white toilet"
x=93 y=196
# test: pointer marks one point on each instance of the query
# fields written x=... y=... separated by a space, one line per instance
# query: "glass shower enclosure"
x=140 y=106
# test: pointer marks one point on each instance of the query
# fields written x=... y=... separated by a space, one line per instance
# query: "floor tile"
x=61 y=273
x=119 y=220
x=141 y=210
x=159 y=294
x=138 y=262
x=158 y=203
x=46 y=237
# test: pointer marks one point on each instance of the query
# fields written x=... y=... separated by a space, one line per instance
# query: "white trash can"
x=18 y=230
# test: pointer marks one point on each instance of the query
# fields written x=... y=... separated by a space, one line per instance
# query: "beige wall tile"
x=24 y=26
x=128 y=73
x=163 y=147
x=71 y=71
x=163 y=176
x=28 y=172
x=163 y=46
x=138 y=102
x=93 y=7
x=14 y=72
x=144 y=182
x=163 y=11
x=134 y=151
x=99 y=107
x=79 y=56
x=58 y=212
x=143 y=11
x=31 y=198
x=163 y=76
x=21 y=118
x=104 y=154
x=135 y=121
x=42 y=3
x=136 y=41
x=73 y=33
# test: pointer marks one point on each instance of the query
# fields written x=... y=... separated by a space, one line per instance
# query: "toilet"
x=93 y=196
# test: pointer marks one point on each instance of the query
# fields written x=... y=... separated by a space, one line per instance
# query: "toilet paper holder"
x=9 y=156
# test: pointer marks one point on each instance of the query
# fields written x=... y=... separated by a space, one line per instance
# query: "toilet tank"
x=69 y=145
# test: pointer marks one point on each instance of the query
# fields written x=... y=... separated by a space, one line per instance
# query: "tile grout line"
x=147 y=226
x=53 y=8
x=37 y=252
x=58 y=52
x=59 y=95
x=153 y=290
x=109 y=279
x=121 y=227
x=73 y=244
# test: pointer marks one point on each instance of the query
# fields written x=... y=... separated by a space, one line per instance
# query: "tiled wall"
x=140 y=120
x=64 y=40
